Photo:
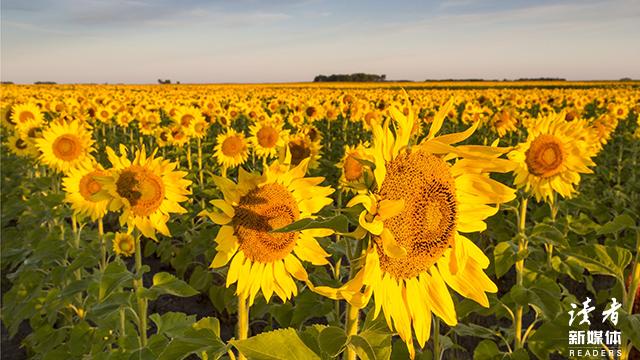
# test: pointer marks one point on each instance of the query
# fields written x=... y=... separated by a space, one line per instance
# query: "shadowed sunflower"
x=267 y=137
x=426 y=196
x=231 y=149
x=81 y=185
x=21 y=146
x=261 y=259
x=26 y=113
x=64 y=145
x=356 y=175
x=553 y=157
x=147 y=189
x=124 y=244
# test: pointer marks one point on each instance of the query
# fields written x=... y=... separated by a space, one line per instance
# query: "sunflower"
x=65 y=145
x=552 y=158
x=81 y=185
x=21 y=146
x=301 y=147
x=425 y=197
x=124 y=244
x=504 y=121
x=267 y=137
x=186 y=117
x=356 y=174
x=257 y=204
x=26 y=113
x=147 y=189
x=231 y=149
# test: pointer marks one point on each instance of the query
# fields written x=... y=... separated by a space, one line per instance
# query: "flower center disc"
x=67 y=147
x=186 y=120
x=21 y=144
x=426 y=226
x=545 y=156
x=143 y=189
x=26 y=116
x=267 y=136
x=299 y=151
x=89 y=186
x=353 y=169
x=232 y=145
x=260 y=211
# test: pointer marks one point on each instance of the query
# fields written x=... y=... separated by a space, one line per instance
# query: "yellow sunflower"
x=552 y=158
x=187 y=116
x=26 y=113
x=147 y=190
x=425 y=197
x=64 y=145
x=267 y=137
x=356 y=175
x=81 y=185
x=301 y=147
x=21 y=146
x=124 y=244
x=231 y=149
x=257 y=204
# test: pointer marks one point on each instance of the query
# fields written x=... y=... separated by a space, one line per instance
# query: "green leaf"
x=362 y=347
x=487 y=350
x=548 y=234
x=474 y=331
x=332 y=340
x=200 y=278
x=338 y=223
x=210 y=323
x=194 y=341
x=165 y=283
x=581 y=225
x=282 y=344
x=549 y=338
x=601 y=259
x=630 y=326
x=377 y=334
x=504 y=255
x=114 y=276
x=309 y=304
x=172 y=324
x=619 y=223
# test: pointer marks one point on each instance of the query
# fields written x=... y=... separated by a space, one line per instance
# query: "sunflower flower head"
x=124 y=244
x=251 y=209
x=425 y=197
x=552 y=158
x=147 y=189
x=80 y=185
x=64 y=145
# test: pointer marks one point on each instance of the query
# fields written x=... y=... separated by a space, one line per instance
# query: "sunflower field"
x=301 y=221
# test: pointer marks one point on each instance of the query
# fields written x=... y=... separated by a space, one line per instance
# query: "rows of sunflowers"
x=315 y=222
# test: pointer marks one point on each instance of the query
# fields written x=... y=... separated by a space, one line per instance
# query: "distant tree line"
x=541 y=79
x=166 y=82
x=357 y=77
x=45 y=83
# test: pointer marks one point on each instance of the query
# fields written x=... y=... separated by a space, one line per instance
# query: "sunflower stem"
x=189 y=165
x=522 y=246
x=436 y=338
x=123 y=328
x=243 y=322
x=200 y=173
x=103 y=249
x=630 y=297
x=554 y=213
x=139 y=287
x=353 y=312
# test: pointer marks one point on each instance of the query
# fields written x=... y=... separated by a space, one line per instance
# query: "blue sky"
x=139 y=41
